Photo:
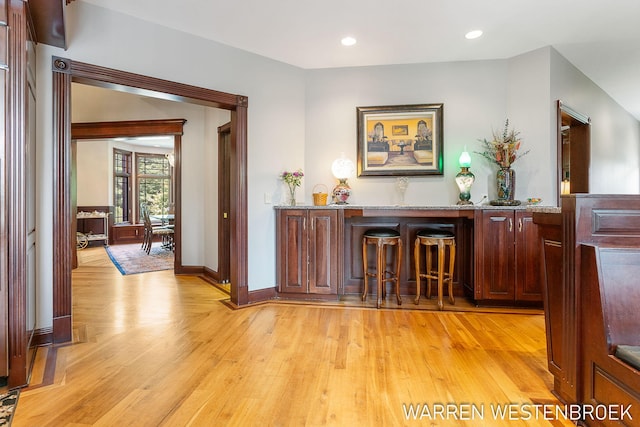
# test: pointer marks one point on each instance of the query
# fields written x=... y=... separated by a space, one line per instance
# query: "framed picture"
x=400 y=140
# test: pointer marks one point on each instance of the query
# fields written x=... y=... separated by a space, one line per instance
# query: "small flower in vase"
x=293 y=180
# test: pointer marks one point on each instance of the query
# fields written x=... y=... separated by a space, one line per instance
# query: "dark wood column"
x=62 y=209
x=16 y=200
x=239 y=224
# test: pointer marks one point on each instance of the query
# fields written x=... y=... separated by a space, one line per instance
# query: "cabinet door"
x=323 y=253
x=528 y=267
x=293 y=256
x=498 y=261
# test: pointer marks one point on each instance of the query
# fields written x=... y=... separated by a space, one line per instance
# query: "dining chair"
x=150 y=232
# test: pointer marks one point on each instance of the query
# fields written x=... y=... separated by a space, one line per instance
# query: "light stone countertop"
x=544 y=209
x=419 y=207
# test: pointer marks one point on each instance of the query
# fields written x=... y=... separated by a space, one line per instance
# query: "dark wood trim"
x=48 y=22
x=42 y=336
x=21 y=20
x=210 y=275
x=263 y=295
x=137 y=84
x=239 y=208
x=16 y=186
x=127 y=128
x=195 y=270
x=177 y=202
x=65 y=72
x=224 y=201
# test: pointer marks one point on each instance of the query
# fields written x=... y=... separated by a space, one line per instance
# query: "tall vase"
x=292 y=195
x=506 y=180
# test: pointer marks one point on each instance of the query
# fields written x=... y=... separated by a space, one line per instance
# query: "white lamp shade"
x=343 y=168
x=465 y=159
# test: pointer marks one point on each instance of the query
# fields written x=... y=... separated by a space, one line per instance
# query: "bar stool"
x=382 y=238
x=442 y=239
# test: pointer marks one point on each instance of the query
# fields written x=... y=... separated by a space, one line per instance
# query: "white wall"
x=615 y=134
x=93 y=173
x=474 y=97
x=528 y=110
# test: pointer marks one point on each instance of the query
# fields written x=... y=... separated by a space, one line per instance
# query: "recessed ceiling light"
x=473 y=34
x=348 y=41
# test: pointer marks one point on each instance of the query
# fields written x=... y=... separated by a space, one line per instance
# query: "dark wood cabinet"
x=127 y=234
x=307 y=251
x=591 y=219
x=508 y=257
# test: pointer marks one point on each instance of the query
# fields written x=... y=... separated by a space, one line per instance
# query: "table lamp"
x=465 y=178
x=343 y=169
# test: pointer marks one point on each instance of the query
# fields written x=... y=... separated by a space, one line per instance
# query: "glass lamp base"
x=341 y=193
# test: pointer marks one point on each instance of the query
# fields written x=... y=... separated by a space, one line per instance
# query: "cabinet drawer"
x=127 y=233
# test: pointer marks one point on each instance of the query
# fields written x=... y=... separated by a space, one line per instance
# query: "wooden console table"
x=319 y=252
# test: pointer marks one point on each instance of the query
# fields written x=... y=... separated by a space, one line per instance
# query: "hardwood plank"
x=162 y=350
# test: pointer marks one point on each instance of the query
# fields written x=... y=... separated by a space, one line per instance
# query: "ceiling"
x=602 y=39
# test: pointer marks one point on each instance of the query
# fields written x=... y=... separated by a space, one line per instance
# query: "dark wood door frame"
x=137 y=128
x=65 y=72
x=224 y=202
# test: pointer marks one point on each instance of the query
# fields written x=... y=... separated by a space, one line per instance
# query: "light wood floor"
x=155 y=349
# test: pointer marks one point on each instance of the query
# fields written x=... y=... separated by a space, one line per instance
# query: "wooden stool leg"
x=416 y=260
x=398 y=267
x=452 y=260
x=429 y=268
x=365 y=268
x=380 y=264
x=440 y=273
x=384 y=271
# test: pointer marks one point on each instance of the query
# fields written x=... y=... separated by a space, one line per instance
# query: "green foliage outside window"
x=154 y=182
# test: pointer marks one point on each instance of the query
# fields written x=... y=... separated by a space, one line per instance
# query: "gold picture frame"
x=400 y=140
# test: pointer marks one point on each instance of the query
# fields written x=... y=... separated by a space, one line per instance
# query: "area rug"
x=8 y=402
x=132 y=259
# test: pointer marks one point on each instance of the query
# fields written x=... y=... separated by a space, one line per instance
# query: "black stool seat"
x=435 y=233
x=381 y=232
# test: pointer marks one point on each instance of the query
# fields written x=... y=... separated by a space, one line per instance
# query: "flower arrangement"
x=503 y=148
x=293 y=180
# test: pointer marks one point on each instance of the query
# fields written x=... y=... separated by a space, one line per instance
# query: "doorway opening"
x=66 y=72
x=574 y=151
x=129 y=208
